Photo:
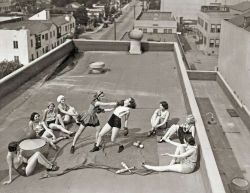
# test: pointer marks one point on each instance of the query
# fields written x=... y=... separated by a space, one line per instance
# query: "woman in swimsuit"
x=54 y=120
x=23 y=166
x=114 y=123
x=188 y=128
x=159 y=118
x=184 y=160
x=90 y=118
x=42 y=131
x=66 y=111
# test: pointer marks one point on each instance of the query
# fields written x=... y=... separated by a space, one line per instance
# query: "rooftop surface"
x=148 y=80
x=242 y=6
x=239 y=20
x=157 y=16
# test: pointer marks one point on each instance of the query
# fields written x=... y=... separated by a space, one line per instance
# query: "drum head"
x=31 y=144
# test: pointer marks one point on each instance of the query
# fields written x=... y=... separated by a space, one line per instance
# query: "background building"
x=234 y=56
x=209 y=27
x=27 y=40
x=156 y=22
x=240 y=8
x=5 y=6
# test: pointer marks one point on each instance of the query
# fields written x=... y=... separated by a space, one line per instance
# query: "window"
x=165 y=31
x=50 y=34
x=31 y=43
x=155 y=24
x=218 y=28
x=66 y=28
x=205 y=40
x=16 y=59
x=212 y=28
x=43 y=50
x=32 y=57
x=206 y=26
x=144 y=30
x=70 y=25
x=47 y=48
x=169 y=31
x=15 y=44
x=217 y=43
x=42 y=36
x=54 y=33
x=211 y=43
x=37 y=55
x=46 y=36
x=155 y=31
x=58 y=43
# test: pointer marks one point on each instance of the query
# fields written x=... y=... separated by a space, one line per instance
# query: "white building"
x=95 y=12
x=209 y=27
x=25 y=41
x=234 y=56
x=156 y=22
x=5 y=6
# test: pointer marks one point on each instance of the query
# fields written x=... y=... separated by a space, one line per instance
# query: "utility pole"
x=114 y=29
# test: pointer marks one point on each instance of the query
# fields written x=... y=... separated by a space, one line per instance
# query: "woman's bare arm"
x=9 y=161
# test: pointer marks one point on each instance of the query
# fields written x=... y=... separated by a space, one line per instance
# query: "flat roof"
x=3 y=18
x=242 y=6
x=143 y=77
x=239 y=20
x=157 y=15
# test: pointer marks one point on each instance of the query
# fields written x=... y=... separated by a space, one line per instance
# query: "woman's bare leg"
x=98 y=130
x=54 y=126
x=168 y=168
x=103 y=131
x=78 y=133
x=34 y=159
x=172 y=130
x=59 y=119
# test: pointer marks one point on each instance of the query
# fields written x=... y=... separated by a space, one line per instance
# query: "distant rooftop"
x=156 y=15
x=7 y=19
x=243 y=6
x=214 y=8
x=242 y=21
x=34 y=26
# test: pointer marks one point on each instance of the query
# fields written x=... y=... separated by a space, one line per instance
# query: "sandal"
x=53 y=168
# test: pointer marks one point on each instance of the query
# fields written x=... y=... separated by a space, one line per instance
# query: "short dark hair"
x=33 y=115
x=132 y=103
x=164 y=104
x=12 y=147
x=189 y=139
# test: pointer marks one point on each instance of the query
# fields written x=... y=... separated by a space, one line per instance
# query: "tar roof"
x=243 y=6
x=239 y=20
x=156 y=15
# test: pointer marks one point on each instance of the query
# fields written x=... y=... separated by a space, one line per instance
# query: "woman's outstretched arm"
x=9 y=161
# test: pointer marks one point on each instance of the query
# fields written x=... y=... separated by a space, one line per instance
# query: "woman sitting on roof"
x=188 y=128
x=159 y=118
x=42 y=131
x=23 y=166
x=184 y=160
x=66 y=111
x=54 y=120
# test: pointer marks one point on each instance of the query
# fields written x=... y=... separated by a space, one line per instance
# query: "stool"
x=239 y=185
x=31 y=146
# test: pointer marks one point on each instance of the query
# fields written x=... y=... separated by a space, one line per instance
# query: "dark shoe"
x=160 y=141
x=72 y=134
x=125 y=132
x=150 y=133
x=72 y=149
x=96 y=148
x=53 y=168
x=121 y=148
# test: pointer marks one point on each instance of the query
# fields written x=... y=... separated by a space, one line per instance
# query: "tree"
x=7 y=67
x=81 y=16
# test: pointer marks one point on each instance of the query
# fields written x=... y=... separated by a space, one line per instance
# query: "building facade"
x=156 y=22
x=27 y=40
x=209 y=27
x=234 y=56
x=5 y=6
